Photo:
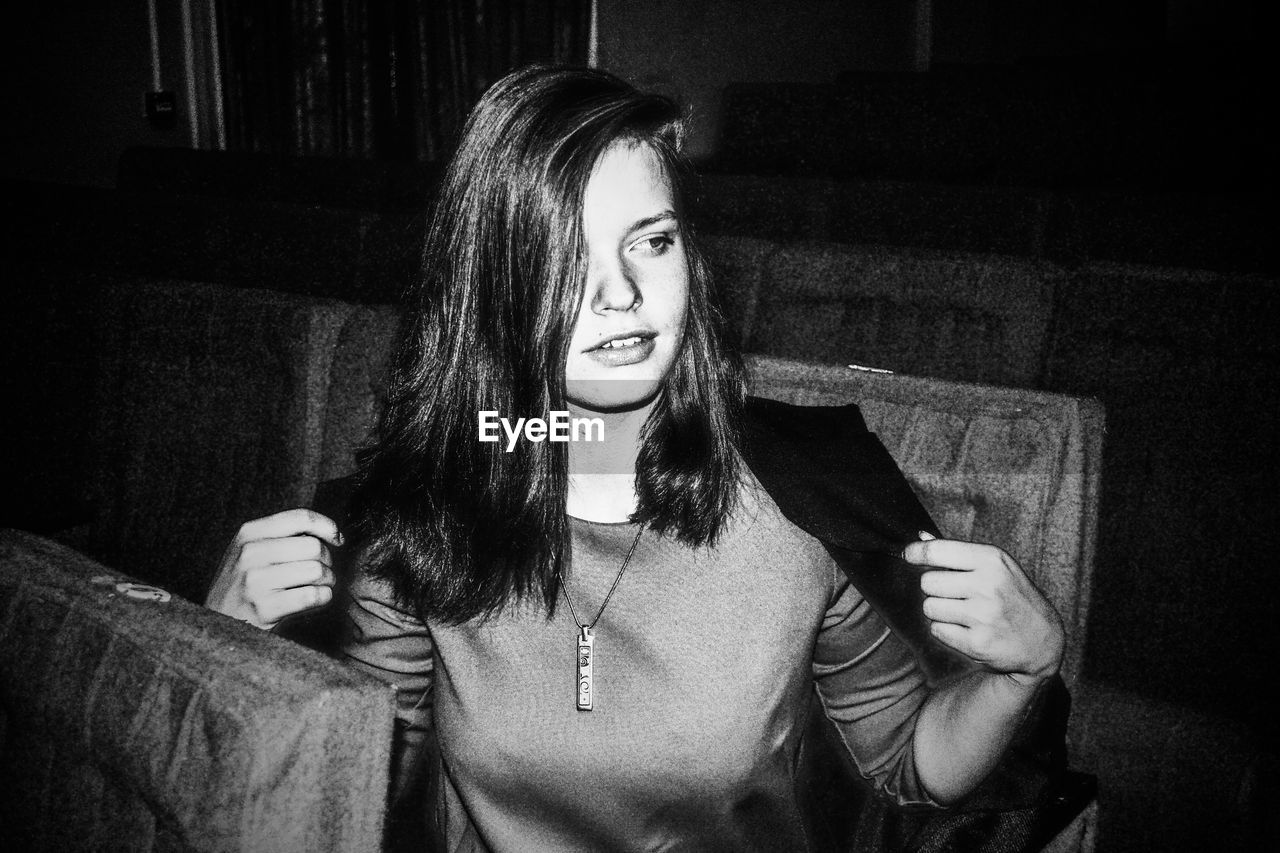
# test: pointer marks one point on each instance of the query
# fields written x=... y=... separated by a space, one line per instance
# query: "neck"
x=602 y=475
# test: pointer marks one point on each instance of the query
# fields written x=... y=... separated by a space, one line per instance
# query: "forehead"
x=628 y=183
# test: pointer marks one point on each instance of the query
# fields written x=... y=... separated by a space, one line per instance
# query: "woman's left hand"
x=981 y=603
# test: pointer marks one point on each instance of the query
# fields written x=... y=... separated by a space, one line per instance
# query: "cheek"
x=681 y=310
x=677 y=302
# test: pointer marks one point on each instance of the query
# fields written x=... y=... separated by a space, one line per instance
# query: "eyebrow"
x=650 y=220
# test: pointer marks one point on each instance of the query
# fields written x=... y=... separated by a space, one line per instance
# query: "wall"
x=979 y=31
x=690 y=50
x=74 y=91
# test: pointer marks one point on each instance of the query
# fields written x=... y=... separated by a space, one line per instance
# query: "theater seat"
x=131 y=720
x=1006 y=466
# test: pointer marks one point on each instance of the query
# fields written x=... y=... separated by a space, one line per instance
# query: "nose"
x=613 y=287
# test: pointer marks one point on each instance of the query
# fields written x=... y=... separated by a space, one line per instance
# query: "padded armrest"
x=135 y=723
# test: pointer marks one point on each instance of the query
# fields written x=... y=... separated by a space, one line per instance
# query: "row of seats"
x=217 y=405
x=1147 y=121
x=1187 y=366
x=1184 y=361
x=1212 y=230
x=1200 y=229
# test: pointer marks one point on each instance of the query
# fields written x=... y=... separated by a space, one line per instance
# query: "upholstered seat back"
x=1010 y=467
x=960 y=316
x=210 y=401
x=134 y=724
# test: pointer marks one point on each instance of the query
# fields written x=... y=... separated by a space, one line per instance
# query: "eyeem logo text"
x=559 y=427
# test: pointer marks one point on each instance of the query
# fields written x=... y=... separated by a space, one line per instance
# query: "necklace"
x=585 y=639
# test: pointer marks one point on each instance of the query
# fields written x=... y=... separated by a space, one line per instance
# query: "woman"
x=615 y=642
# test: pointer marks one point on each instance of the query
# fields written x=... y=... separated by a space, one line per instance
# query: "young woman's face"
x=632 y=318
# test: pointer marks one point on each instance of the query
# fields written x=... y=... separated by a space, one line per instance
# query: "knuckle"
x=244 y=533
x=251 y=552
x=257 y=580
x=261 y=611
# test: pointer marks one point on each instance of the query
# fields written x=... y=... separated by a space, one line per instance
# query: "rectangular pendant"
x=586 y=663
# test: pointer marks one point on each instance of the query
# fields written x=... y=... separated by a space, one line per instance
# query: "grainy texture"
x=148 y=726
x=951 y=315
x=211 y=400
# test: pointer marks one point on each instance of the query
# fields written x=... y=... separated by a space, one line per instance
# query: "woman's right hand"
x=277 y=566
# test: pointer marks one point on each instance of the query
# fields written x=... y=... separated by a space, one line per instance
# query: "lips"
x=623 y=340
x=624 y=348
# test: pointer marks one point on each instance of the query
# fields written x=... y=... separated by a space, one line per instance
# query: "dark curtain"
x=386 y=80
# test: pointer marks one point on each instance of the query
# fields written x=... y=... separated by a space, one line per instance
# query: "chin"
x=612 y=395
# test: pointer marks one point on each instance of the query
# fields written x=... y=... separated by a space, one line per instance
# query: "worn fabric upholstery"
x=1188 y=365
x=1007 y=220
x=1011 y=467
x=211 y=401
x=956 y=316
x=135 y=725
x=358 y=387
x=737 y=266
x=768 y=206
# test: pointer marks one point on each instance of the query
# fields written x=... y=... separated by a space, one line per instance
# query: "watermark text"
x=558 y=427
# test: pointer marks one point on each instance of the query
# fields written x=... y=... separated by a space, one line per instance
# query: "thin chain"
x=564 y=587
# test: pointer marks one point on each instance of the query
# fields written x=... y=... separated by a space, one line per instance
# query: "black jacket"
x=833 y=478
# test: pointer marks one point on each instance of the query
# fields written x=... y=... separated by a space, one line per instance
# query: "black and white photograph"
x=576 y=426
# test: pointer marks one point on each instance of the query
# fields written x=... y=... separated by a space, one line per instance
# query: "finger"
x=951 y=554
x=949 y=610
x=269 y=552
x=288 y=602
x=947 y=583
x=291 y=522
x=265 y=580
x=957 y=637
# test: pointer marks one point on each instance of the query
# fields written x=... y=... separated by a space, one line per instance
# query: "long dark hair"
x=460 y=527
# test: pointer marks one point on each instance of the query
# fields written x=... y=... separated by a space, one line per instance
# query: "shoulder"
x=786 y=423
x=830 y=475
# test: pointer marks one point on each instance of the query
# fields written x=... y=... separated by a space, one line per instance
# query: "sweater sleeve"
x=872 y=689
x=382 y=638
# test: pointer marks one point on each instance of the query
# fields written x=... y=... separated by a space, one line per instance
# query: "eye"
x=654 y=245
